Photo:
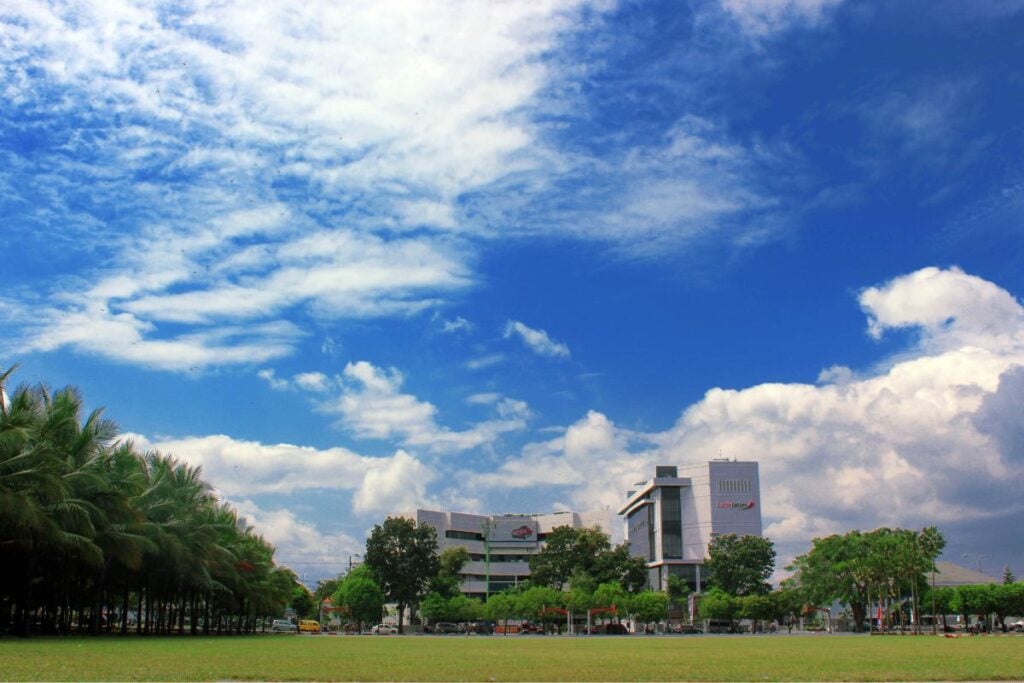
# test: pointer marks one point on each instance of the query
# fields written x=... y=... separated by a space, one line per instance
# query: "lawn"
x=537 y=658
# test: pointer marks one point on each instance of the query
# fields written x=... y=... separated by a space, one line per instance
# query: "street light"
x=977 y=557
x=350 y=561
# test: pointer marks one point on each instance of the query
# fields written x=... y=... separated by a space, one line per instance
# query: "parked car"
x=446 y=627
x=309 y=626
x=1018 y=626
x=482 y=627
x=718 y=626
x=384 y=629
x=283 y=626
x=616 y=629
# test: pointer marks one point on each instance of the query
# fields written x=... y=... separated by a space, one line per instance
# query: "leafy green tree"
x=434 y=608
x=717 y=604
x=531 y=601
x=678 y=591
x=837 y=567
x=463 y=608
x=89 y=525
x=403 y=559
x=451 y=561
x=361 y=596
x=649 y=606
x=1008 y=576
x=580 y=597
x=616 y=564
x=502 y=607
x=757 y=608
x=567 y=550
x=302 y=602
x=788 y=601
x=740 y=565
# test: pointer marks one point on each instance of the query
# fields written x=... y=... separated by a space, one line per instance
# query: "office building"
x=671 y=518
x=509 y=540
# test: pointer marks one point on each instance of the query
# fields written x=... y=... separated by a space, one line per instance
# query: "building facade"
x=507 y=540
x=671 y=519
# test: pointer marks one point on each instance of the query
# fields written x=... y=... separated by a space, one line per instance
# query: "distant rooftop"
x=950 y=574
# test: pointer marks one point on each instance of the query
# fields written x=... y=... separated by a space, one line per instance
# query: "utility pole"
x=487 y=527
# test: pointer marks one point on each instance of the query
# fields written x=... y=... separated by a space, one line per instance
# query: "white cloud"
x=312 y=381
x=460 y=324
x=372 y=406
x=379 y=114
x=484 y=361
x=951 y=308
x=483 y=398
x=401 y=485
x=300 y=544
x=537 y=341
x=924 y=439
x=764 y=17
x=240 y=469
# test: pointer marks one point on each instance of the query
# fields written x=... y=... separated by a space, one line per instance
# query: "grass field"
x=496 y=658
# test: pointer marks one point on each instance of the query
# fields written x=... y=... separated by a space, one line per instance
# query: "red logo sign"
x=735 y=505
x=522 y=532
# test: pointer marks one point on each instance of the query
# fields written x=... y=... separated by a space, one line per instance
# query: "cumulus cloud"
x=300 y=544
x=241 y=469
x=372 y=406
x=930 y=437
x=537 y=341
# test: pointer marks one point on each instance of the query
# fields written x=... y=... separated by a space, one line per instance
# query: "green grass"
x=511 y=658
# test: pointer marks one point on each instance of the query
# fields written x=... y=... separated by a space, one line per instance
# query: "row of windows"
x=479 y=557
x=472 y=536
x=735 y=485
x=494 y=578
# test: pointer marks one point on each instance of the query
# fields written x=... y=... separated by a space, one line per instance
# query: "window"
x=735 y=485
x=671 y=524
x=463 y=535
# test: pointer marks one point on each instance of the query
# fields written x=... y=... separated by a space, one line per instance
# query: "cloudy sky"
x=357 y=257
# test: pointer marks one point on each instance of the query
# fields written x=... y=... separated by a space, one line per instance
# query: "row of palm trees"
x=95 y=535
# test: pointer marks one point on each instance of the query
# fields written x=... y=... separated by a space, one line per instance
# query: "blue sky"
x=507 y=257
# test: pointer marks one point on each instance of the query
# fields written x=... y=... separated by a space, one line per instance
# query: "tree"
x=1008 y=576
x=757 y=608
x=501 y=607
x=837 y=568
x=616 y=564
x=567 y=550
x=434 y=608
x=649 y=606
x=403 y=558
x=717 y=604
x=740 y=565
x=450 y=563
x=361 y=596
x=90 y=526
x=532 y=601
x=789 y=601
x=302 y=602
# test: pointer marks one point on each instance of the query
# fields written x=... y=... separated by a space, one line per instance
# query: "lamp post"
x=487 y=527
x=977 y=557
x=350 y=561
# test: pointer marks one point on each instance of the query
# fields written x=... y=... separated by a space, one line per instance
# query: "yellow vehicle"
x=309 y=625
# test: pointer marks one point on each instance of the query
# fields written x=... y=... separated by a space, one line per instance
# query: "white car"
x=283 y=626
x=384 y=629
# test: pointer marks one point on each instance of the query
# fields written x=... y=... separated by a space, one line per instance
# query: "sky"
x=356 y=258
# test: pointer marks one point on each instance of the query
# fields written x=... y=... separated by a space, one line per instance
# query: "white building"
x=671 y=519
x=507 y=540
